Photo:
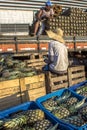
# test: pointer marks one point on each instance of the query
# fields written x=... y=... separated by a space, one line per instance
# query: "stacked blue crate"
x=42 y=99
x=27 y=106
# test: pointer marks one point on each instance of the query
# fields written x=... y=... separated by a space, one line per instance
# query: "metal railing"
x=14 y=29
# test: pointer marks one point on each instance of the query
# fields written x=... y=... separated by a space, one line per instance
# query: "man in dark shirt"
x=44 y=14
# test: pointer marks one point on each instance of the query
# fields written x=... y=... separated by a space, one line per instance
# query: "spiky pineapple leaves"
x=53 y=127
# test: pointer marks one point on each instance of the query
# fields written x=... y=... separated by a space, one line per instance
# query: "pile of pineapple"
x=11 y=69
x=82 y=90
x=28 y=120
x=68 y=108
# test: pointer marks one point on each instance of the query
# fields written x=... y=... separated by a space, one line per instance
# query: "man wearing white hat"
x=58 y=53
x=44 y=14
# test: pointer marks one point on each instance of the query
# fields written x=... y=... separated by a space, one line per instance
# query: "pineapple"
x=75 y=120
x=83 y=109
x=73 y=109
x=24 y=118
x=28 y=128
x=15 y=123
x=84 y=94
x=82 y=90
x=84 y=117
x=71 y=101
x=1 y=124
x=83 y=112
x=34 y=115
x=55 y=127
x=42 y=125
x=50 y=104
x=65 y=95
x=61 y=112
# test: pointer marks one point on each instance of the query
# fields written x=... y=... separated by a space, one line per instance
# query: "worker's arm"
x=51 y=13
x=39 y=15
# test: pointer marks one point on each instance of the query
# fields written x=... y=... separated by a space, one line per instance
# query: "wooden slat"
x=7 y=104
x=9 y=83
x=78 y=75
x=59 y=78
x=10 y=101
x=39 y=67
x=37 y=64
x=23 y=93
x=35 y=93
x=35 y=85
x=7 y=92
x=77 y=68
x=34 y=79
x=59 y=86
x=35 y=60
x=78 y=80
x=69 y=77
x=34 y=97
x=38 y=55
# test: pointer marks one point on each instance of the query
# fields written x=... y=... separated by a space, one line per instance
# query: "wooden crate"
x=36 y=63
x=17 y=91
x=35 y=86
x=55 y=82
x=38 y=55
x=36 y=60
x=74 y=75
x=9 y=93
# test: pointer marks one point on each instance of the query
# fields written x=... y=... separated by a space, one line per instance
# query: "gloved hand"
x=45 y=68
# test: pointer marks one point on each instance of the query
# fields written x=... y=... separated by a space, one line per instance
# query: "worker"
x=42 y=18
x=57 y=61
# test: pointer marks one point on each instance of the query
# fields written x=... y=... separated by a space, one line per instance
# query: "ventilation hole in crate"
x=59 y=82
x=36 y=56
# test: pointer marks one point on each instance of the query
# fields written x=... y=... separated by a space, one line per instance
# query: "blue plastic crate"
x=59 y=93
x=78 y=86
x=23 y=107
x=27 y=106
x=74 y=87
